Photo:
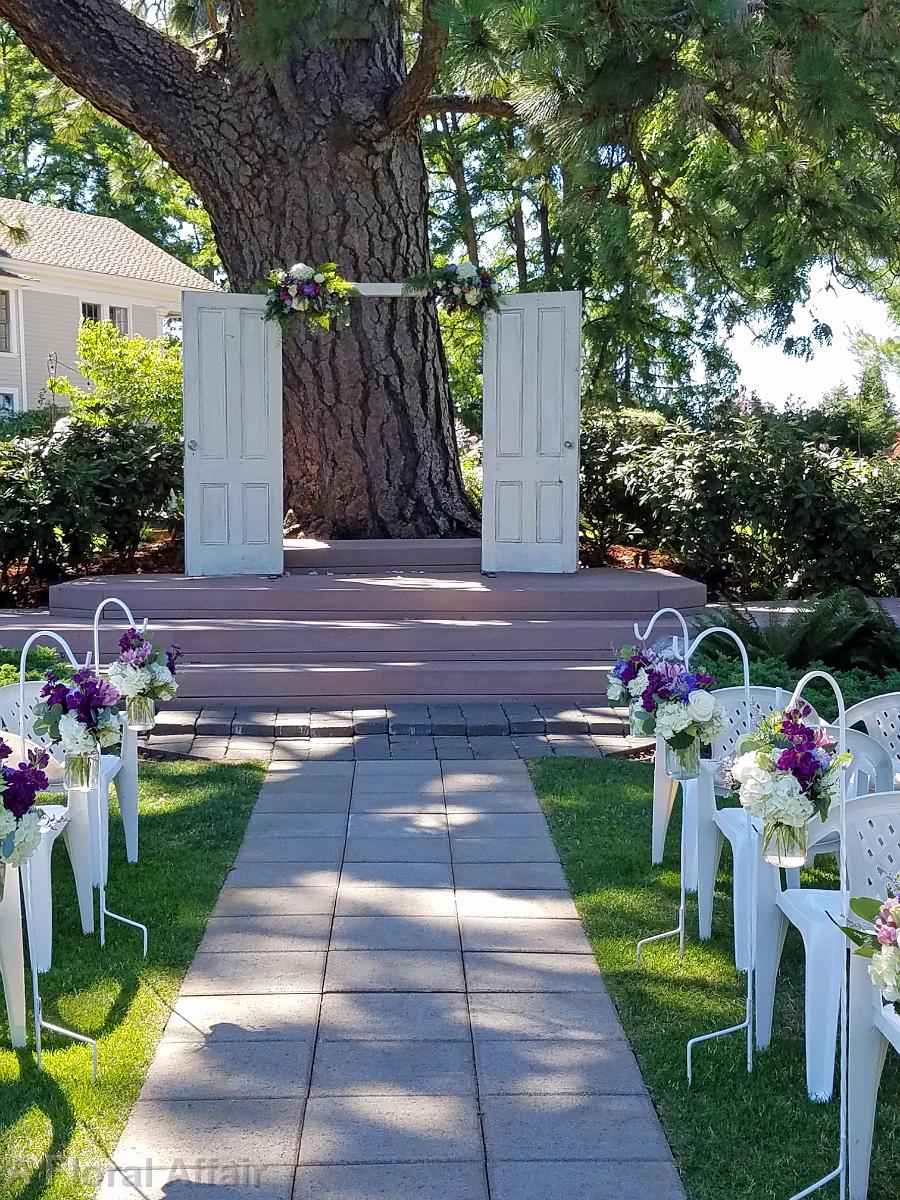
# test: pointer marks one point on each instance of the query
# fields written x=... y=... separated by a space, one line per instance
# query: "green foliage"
x=843 y=631
x=864 y=421
x=84 y=489
x=133 y=379
x=40 y=660
x=470 y=462
x=33 y=422
x=462 y=340
x=56 y=149
x=749 y=505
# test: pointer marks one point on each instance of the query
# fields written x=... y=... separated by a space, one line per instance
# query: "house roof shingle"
x=59 y=237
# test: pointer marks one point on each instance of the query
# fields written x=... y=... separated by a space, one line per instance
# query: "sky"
x=775 y=376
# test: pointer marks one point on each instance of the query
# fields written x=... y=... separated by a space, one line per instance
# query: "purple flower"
x=172 y=656
x=22 y=783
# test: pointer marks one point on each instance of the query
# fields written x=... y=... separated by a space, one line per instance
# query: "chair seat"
x=732 y=822
x=805 y=907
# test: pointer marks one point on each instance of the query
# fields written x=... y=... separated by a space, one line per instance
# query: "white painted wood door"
x=233 y=494
x=532 y=351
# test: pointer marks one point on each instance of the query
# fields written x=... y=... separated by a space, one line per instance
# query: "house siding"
x=51 y=327
x=144 y=321
x=10 y=373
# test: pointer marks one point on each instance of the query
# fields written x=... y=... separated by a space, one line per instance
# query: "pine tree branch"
x=405 y=104
x=488 y=106
x=123 y=66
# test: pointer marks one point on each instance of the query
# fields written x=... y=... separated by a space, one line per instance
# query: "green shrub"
x=40 y=660
x=132 y=379
x=31 y=423
x=81 y=490
x=843 y=631
x=749 y=505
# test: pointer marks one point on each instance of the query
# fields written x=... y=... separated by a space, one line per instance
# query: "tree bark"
x=301 y=161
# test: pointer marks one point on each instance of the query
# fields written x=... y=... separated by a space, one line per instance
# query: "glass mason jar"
x=80 y=771
x=683 y=764
x=636 y=719
x=140 y=713
x=785 y=845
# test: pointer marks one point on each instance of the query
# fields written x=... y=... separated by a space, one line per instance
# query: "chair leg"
x=42 y=905
x=824 y=949
x=709 y=852
x=12 y=957
x=866 y=1053
x=771 y=927
x=741 y=867
x=127 y=792
x=664 y=792
x=78 y=838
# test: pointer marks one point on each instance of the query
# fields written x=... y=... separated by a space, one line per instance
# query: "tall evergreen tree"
x=720 y=147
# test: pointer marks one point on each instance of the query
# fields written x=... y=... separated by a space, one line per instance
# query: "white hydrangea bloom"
x=163 y=681
x=109 y=731
x=301 y=271
x=884 y=971
x=638 y=685
x=770 y=795
x=73 y=736
x=615 y=689
x=671 y=717
x=7 y=824
x=130 y=681
x=466 y=271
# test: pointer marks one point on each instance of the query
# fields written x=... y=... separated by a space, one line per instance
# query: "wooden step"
x=380 y=555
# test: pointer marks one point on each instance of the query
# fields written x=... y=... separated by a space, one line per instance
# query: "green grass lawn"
x=57 y=1127
x=735 y=1136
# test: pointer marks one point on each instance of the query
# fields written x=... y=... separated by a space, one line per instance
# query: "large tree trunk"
x=315 y=159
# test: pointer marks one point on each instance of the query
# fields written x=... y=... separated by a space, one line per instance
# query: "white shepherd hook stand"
x=25 y=873
x=104 y=911
x=679 y=930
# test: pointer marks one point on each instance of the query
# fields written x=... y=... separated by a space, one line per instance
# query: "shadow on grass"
x=57 y=1124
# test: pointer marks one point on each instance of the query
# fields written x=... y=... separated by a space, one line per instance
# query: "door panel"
x=232 y=431
x=532 y=369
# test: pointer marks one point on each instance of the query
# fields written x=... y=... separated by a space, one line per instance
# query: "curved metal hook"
x=745 y=662
x=131 y=623
x=23 y=658
x=642 y=637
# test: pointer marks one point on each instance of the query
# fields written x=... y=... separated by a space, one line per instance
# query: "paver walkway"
x=394 y=1000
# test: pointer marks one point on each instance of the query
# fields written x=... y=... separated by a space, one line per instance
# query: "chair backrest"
x=880 y=717
x=873 y=843
x=9 y=710
x=872 y=768
x=763 y=700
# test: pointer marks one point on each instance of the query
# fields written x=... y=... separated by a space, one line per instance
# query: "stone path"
x=394 y=1000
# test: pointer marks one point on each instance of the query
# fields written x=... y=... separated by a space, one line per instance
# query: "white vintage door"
x=532 y=351
x=233 y=502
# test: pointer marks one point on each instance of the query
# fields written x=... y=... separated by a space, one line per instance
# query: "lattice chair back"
x=13 y=718
x=873 y=843
x=763 y=700
x=880 y=717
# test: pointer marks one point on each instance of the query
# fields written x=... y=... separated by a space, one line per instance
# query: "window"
x=5 y=324
x=90 y=312
x=119 y=318
x=7 y=403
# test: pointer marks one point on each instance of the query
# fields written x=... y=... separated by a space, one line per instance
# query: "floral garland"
x=786 y=773
x=20 y=822
x=317 y=294
x=457 y=287
x=881 y=944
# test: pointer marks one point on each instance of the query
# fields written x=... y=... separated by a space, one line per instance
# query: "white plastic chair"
x=715 y=826
x=873 y=850
x=12 y=957
x=72 y=820
x=880 y=718
x=815 y=913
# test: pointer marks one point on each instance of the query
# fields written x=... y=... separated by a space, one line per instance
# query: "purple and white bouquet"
x=628 y=680
x=880 y=942
x=679 y=707
x=787 y=772
x=458 y=287
x=20 y=824
x=82 y=717
x=143 y=673
x=318 y=294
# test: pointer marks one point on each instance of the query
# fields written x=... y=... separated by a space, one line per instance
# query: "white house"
x=71 y=267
